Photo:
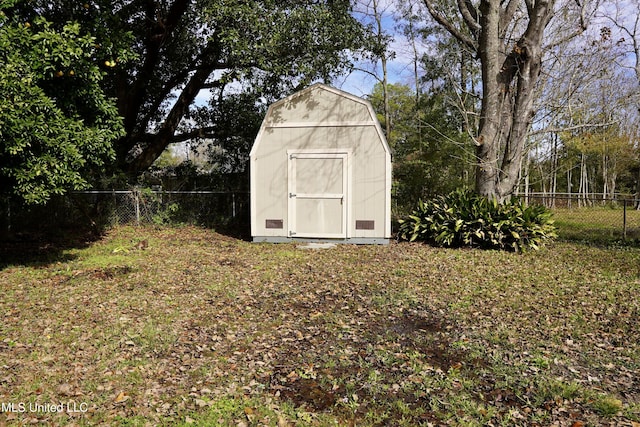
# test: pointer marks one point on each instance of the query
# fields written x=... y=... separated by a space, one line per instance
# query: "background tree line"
x=580 y=109
x=498 y=95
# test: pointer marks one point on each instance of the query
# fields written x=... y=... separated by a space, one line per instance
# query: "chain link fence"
x=206 y=208
x=99 y=209
x=593 y=217
x=584 y=218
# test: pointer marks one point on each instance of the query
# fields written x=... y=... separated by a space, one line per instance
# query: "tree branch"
x=583 y=18
x=530 y=6
x=160 y=97
x=210 y=51
x=160 y=28
x=447 y=25
x=166 y=132
x=574 y=127
x=202 y=133
x=581 y=29
x=371 y=73
x=470 y=15
x=507 y=15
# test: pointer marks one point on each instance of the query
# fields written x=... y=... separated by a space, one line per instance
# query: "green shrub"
x=463 y=218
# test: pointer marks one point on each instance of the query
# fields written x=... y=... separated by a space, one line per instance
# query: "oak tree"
x=188 y=51
x=508 y=38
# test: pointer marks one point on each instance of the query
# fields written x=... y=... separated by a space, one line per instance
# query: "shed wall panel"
x=317 y=107
x=318 y=120
x=368 y=186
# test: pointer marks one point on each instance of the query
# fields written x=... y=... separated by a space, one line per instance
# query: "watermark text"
x=69 y=407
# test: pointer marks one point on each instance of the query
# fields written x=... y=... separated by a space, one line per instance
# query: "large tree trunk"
x=131 y=95
x=509 y=77
x=509 y=80
x=165 y=135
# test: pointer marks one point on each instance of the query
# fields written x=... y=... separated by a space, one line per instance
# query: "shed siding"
x=316 y=120
x=317 y=107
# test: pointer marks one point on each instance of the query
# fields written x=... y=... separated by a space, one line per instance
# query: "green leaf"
x=463 y=218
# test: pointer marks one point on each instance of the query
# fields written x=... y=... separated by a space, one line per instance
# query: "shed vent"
x=365 y=225
x=273 y=223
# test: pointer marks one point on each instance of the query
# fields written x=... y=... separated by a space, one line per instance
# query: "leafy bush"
x=463 y=218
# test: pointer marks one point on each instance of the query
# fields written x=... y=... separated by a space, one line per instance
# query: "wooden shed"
x=321 y=171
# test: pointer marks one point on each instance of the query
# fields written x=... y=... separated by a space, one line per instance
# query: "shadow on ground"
x=43 y=247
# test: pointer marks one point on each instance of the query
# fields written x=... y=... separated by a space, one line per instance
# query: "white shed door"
x=318 y=184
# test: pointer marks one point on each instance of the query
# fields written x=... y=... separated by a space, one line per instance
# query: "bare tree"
x=508 y=37
x=372 y=13
x=408 y=24
x=626 y=20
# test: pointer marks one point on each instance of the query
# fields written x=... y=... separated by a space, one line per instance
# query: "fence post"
x=137 y=199
x=233 y=201
x=8 y=214
x=624 y=219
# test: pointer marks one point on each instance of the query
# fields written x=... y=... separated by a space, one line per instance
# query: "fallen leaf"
x=282 y=422
x=65 y=389
x=249 y=413
x=121 y=397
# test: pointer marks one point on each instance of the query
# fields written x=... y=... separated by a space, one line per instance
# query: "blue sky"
x=400 y=68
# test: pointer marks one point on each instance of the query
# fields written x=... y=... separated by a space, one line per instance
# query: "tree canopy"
x=188 y=51
x=56 y=124
x=428 y=145
x=159 y=60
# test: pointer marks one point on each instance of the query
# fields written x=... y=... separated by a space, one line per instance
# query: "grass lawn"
x=183 y=326
x=597 y=224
